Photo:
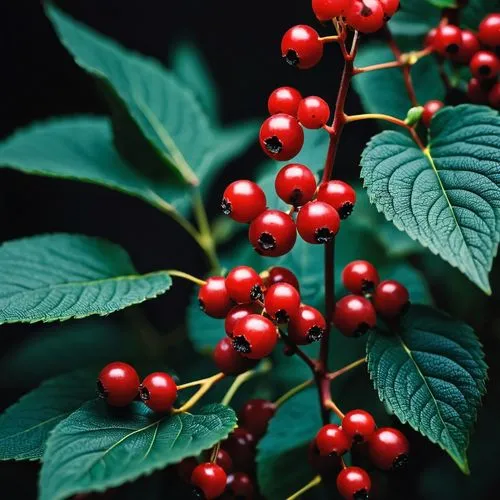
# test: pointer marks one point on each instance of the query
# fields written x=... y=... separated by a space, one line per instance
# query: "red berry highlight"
x=118 y=383
x=281 y=137
x=295 y=184
x=326 y=10
x=354 y=483
x=243 y=201
x=332 y=440
x=210 y=479
x=366 y=16
x=318 y=222
x=229 y=361
x=360 y=277
x=340 y=195
x=255 y=336
x=430 y=109
x=391 y=299
x=359 y=425
x=282 y=302
x=307 y=326
x=489 y=30
x=214 y=298
x=255 y=416
x=448 y=40
x=158 y=391
x=244 y=285
x=301 y=47
x=354 y=316
x=388 y=448
x=284 y=100
x=313 y=112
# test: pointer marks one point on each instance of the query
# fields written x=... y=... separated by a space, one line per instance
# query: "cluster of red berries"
x=118 y=383
x=387 y=448
x=478 y=51
x=355 y=314
x=232 y=473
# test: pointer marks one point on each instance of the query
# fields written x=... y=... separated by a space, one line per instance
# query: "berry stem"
x=204 y=388
x=198 y=382
x=309 y=486
x=298 y=351
x=406 y=59
x=329 y=39
x=292 y=392
x=215 y=451
x=332 y=406
x=345 y=369
x=186 y=276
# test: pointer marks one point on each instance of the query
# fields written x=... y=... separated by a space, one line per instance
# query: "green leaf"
x=448 y=196
x=25 y=426
x=204 y=332
x=443 y=4
x=475 y=11
x=432 y=375
x=61 y=276
x=96 y=448
x=414 y=18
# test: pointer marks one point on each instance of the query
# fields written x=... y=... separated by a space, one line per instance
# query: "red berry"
x=229 y=361
x=282 y=302
x=272 y=233
x=430 y=38
x=390 y=299
x=360 y=277
x=295 y=184
x=324 y=465
x=332 y=440
x=213 y=297
x=236 y=313
x=477 y=91
x=354 y=483
x=494 y=96
x=359 y=425
x=448 y=40
x=281 y=275
x=284 y=100
x=186 y=467
x=366 y=16
x=339 y=195
x=326 y=10
x=470 y=45
x=158 y=391
x=307 y=326
x=255 y=416
x=390 y=7
x=118 y=383
x=244 y=284
x=255 y=336
x=484 y=65
x=281 y=137
x=388 y=448
x=354 y=316
x=489 y=30
x=243 y=201
x=301 y=47
x=313 y=112
x=318 y=222
x=224 y=460
x=210 y=479
x=241 y=446
x=430 y=109
x=239 y=486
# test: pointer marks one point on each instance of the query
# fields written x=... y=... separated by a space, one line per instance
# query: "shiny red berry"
x=210 y=479
x=307 y=326
x=243 y=201
x=360 y=277
x=470 y=45
x=332 y=440
x=281 y=137
x=340 y=195
x=354 y=316
x=448 y=40
x=158 y=391
x=254 y=336
x=326 y=10
x=354 y=483
x=302 y=47
x=244 y=285
x=282 y=302
x=391 y=299
x=313 y=112
x=272 y=233
x=295 y=184
x=366 y=16
x=430 y=38
x=118 y=383
x=359 y=425
x=484 y=65
x=241 y=446
x=279 y=274
x=255 y=416
x=284 y=100
x=489 y=30
x=477 y=91
x=186 y=467
x=236 y=313
x=240 y=486
x=390 y=7
x=228 y=361
x=214 y=298
x=494 y=96
x=430 y=109
x=388 y=448
x=224 y=460
x=318 y=222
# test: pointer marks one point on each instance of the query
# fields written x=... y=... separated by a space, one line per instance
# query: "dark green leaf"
x=204 y=331
x=432 y=374
x=443 y=4
x=476 y=10
x=414 y=18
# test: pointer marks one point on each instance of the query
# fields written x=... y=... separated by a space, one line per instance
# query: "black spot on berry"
x=241 y=345
x=400 y=461
x=292 y=58
x=101 y=392
x=144 y=393
x=296 y=197
x=367 y=287
x=358 y=439
x=314 y=334
x=266 y=242
x=453 y=48
x=366 y=11
x=323 y=235
x=226 y=206
x=273 y=145
x=256 y=293
x=346 y=210
x=361 y=329
x=360 y=495
x=484 y=70
x=282 y=316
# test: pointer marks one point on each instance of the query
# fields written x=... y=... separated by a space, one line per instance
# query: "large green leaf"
x=432 y=375
x=61 y=276
x=96 y=448
x=25 y=426
x=448 y=195
x=414 y=18
x=476 y=10
x=443 y=4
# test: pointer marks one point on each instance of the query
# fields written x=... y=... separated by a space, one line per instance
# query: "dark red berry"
x=318 y=222
x=366 y=16
x=313 y=112
x=241 y=446
x=324 y=465
x=489 y=30
x=282 y=302
x=430 y=109
x=255 y=416
x=213 y=297
x=229 y=361
x=339 y=195
x=390 y=7
x=477 y=91
x=272 y=233
x=354 y=483
x=470 y=45
x=388 y=448
x=281 y=137
x=186 y=467
x=354 y=316
x=430 y=38
x=302 y=47
x=224 y=460
x=484 y=65
x=295 y=184
x=244 y=285
x=240 y=486
x=158 y=391
x=332 y=440
x=494 y=96
x=391 y=299
x=284 y=100
x=281 y=275
x=118 y=383
x=326 y=10
x=307 y=326
x=359 y=425
x=448 y=40
x=255 y=336
x=360 y=277
x=236 y=313
x=210 y=479
x=243 y=201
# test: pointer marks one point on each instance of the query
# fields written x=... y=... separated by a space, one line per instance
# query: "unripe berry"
x=243 y=201
x=281 y=137
x=318 y=222
x=214 y=299
x=284 y=100
x=295 y=184
x=388 y=448
x=301 y=47
x=313 y=112
x=307 y=326
x=354 y=316
x=254 y=336
x=340 y=195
